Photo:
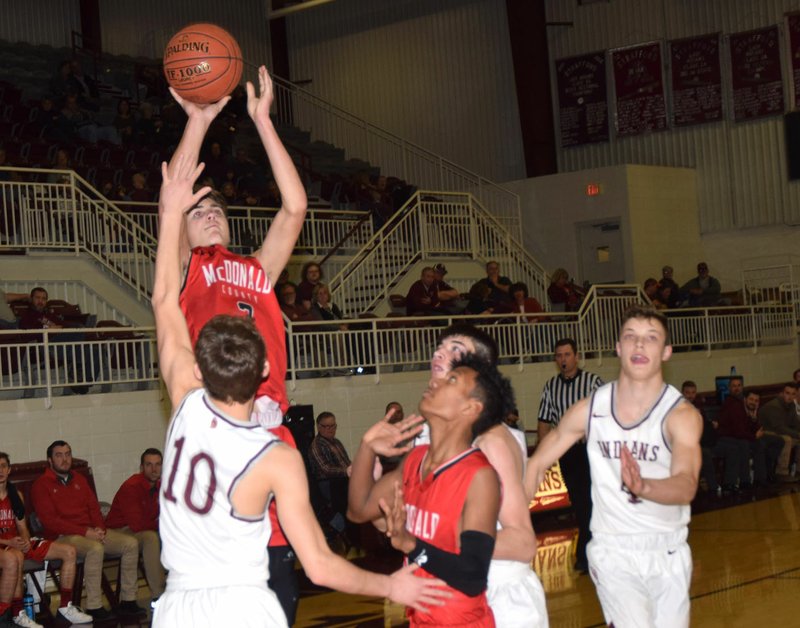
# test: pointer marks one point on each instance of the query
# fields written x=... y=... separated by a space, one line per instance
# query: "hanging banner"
x=756 y=74
x=696 y=80
x=793 y=27
x=639 y=89
x=582 y=99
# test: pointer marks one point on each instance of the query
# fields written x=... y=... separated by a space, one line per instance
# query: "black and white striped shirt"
x=560 y=393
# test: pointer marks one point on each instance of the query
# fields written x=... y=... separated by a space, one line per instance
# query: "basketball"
x=203 y=63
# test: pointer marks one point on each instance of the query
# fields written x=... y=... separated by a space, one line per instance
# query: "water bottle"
x=27 y=602
x=733 y=371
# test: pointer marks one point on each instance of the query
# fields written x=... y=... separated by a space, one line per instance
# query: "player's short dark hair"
x=485 y=345
x=231 y=354
x=4 y=456
x=54 y=444
x=150 y=451
x=492 y=389
x=688 y=384
x=324 y=415
x=563 y=342
x=647 y=313
x=217 y=197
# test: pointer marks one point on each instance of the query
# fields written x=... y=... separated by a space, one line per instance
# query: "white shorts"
x=240 y=606
x=642 y=580
x=516 y=596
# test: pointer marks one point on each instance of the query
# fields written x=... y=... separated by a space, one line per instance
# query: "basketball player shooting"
x=643 y=440
x=222 y=468
x=210 y=288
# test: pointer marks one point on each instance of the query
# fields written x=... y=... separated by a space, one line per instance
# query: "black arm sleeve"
x=466 y=571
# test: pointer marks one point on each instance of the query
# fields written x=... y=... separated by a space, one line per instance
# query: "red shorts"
x=38 y=550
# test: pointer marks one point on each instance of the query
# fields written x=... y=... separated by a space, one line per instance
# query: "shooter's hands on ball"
x=631 y=474
x=258 y=106
x=176 y=191
x=393 y=439
x=206 y=113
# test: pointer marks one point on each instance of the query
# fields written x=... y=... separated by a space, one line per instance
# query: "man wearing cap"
x=447 y=293
x=422 y=298
x=703 y=290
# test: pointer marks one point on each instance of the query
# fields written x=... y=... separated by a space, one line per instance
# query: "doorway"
x=601 y=256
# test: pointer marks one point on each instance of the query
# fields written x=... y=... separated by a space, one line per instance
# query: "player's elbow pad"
x=466 y=571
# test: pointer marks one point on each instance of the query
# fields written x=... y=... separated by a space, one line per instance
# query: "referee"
x=560 y=392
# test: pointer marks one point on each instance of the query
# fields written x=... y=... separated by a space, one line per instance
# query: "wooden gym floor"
x=746 y=551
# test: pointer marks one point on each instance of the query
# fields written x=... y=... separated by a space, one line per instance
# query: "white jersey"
x=205 y=542
x=615 y=510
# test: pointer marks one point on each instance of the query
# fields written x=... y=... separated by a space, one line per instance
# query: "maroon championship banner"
x=582 y=99
x=793 y=26
x=696 y=80
x=756 y=74
x=639 y=88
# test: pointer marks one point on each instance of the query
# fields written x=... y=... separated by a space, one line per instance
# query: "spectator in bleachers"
x=7 y=318
x=85 y=87
x=228 y=191
x=289 y=305
x=650 y=288
x=735 y=453
x=796 y=379
x=60 y=83
x=273 y=196
x=779 y=418
x=144 y=128
x=55 y=127
x=448 y=295
x=330 y=469
x=323 y=309
x=563 y=294
x=703 y=290
x=663 y=297
x=83 y=362
x=738 y=425
x=499 y=285
x=310 y=276
x=61 y=162
x=668 y=282
x=134 y=511
x=81 y=125
x=17 y=546
x=422 y=298
x=139 y=191
x=243 y=167
x=478 y=301
x=523 y=303
x=69 y=511
x=124 y=121
x=283 y=279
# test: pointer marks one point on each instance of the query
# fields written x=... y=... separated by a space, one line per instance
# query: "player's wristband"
x=466 y=571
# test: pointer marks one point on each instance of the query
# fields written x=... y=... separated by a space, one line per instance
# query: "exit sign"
x=593 y=189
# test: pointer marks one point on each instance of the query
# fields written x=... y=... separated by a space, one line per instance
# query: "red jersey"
x=278 y=538
x=220 y=282
x=433 y=513
x=8 y=522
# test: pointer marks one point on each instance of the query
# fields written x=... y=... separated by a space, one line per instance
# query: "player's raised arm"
x=282 y=235
x=570 y=430
x=175 y=355
x=200 y=119
x=516 y=540
x=684 y=428
x=383 y=438
x=283 y=473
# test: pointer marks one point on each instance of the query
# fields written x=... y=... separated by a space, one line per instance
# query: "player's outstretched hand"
x=393 y=439
x=419 y=593
x=176 y=190
x=258 y=106
x=395 y=516
x=631 y=474
x=207 y=113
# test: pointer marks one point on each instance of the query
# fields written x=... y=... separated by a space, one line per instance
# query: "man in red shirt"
x=135 y=511
x=69 y=511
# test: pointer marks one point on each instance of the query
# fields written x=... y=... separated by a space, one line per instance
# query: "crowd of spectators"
x=700 y=291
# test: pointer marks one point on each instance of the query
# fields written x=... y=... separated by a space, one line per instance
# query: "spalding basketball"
x=203 y=63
